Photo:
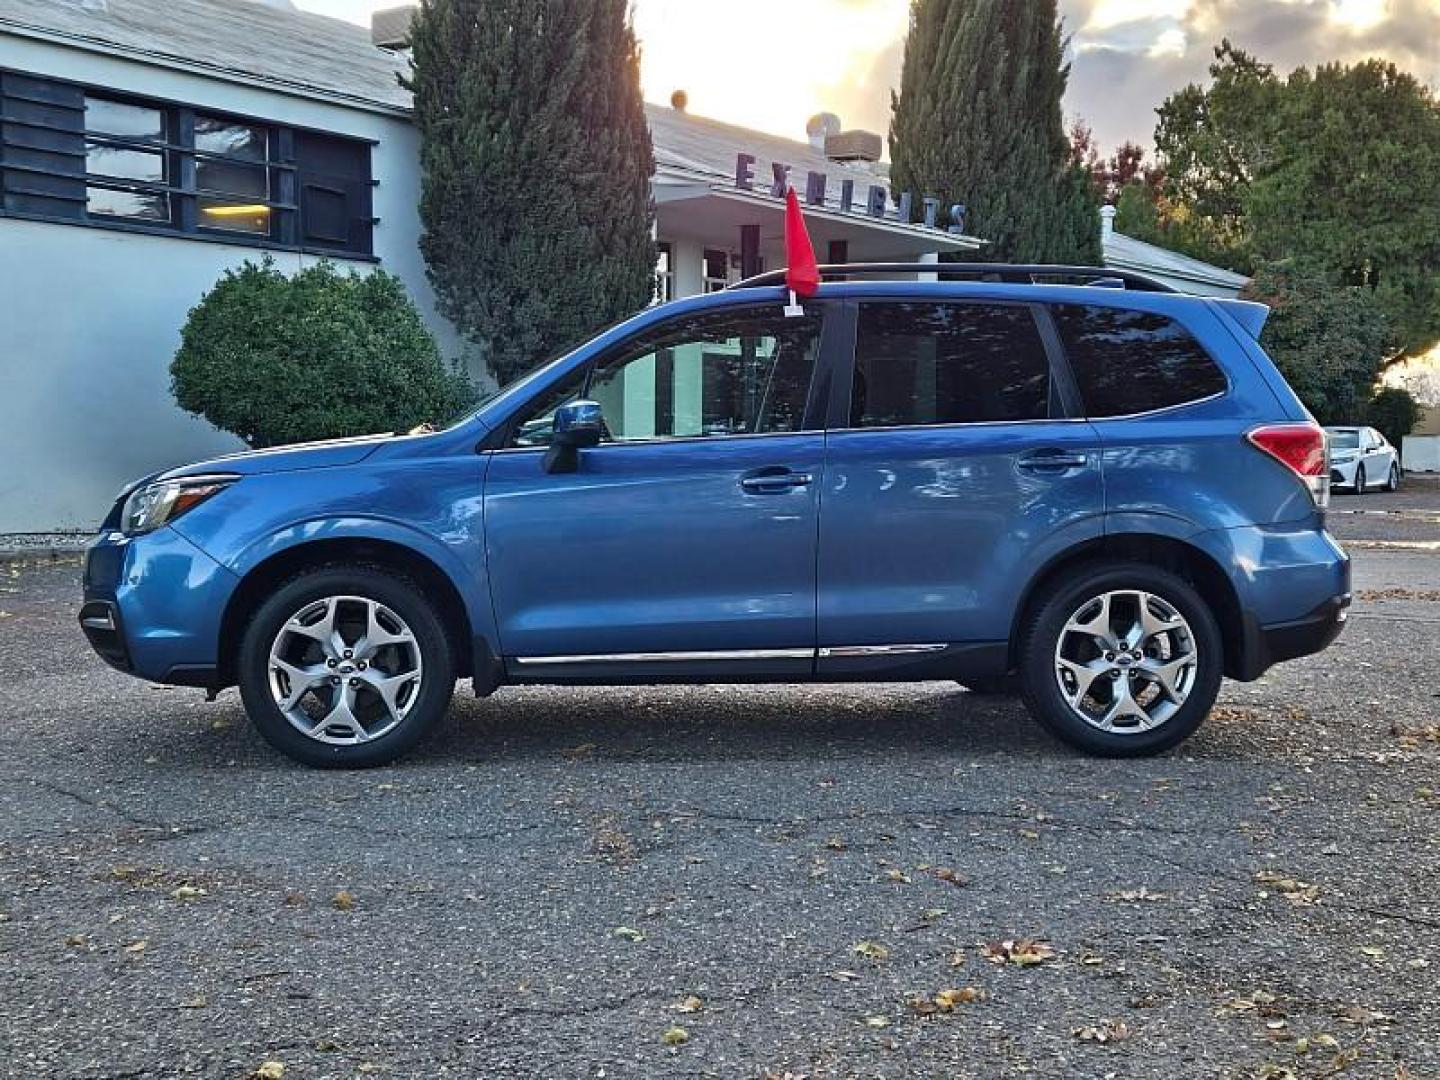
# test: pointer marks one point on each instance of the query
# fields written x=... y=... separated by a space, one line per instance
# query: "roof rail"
x=1024 y=273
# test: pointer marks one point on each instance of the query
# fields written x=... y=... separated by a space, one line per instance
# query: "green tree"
x=978 y=121
x=536 y=161
x=277 y=359
x=1333 y=169
x=1395 y=412
x=1329 y=341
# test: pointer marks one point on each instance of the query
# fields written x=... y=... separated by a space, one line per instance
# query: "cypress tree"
x=978 y=120
x=536 y=162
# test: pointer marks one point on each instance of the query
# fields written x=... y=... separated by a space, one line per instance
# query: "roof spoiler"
x=1250 y=315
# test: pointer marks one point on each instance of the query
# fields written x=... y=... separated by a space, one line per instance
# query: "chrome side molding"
x=721 y=655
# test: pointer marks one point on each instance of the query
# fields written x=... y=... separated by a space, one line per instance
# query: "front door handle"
x=773 y=479
x=1053 y=461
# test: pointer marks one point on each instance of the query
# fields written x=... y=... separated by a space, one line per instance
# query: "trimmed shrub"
x=276 y=359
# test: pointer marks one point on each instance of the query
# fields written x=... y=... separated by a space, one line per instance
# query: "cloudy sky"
x=770 y=64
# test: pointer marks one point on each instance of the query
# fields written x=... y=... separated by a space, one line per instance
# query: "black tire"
x=402 y=597
x=1394 y=482
x=1053 y=609
x=1359 y=479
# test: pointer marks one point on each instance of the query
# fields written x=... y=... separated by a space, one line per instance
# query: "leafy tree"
x=1329 y=341
x=277 y=359
x=537 y=160
x=1394 y=412
x=1334 y=169
x=978 y=121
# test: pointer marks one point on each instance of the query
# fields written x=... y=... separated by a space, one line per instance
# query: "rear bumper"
x=1266 y=646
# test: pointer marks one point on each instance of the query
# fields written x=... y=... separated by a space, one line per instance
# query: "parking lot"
x=733 y=882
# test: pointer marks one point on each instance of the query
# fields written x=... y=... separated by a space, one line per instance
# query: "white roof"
x=1126 y=253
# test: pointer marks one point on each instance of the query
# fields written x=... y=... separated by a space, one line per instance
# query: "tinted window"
x=1133 y=361
x=948 y=364
x=737 y=372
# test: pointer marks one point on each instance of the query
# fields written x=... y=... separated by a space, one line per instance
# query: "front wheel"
x=1360 y=480
x=1121 y=660
x=345 y=667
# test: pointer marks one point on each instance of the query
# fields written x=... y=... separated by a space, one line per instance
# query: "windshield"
x=1344 y=440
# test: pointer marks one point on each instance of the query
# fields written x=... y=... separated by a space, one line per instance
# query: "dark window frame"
x=1063 y=398
x=54 y=132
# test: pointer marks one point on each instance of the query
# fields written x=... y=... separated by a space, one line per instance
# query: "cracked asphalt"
x=541 y=888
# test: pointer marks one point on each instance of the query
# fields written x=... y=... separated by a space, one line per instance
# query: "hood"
x=313 y=455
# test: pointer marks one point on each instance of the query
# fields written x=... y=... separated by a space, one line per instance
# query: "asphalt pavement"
x=733 y=882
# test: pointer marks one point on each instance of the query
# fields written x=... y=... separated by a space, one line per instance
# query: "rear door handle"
x=773 y=479
x=1053 y=461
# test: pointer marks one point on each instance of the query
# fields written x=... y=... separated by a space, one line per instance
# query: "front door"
x=951 y=478
x=686 y=540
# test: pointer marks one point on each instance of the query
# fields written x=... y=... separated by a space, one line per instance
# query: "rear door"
x=954 y=469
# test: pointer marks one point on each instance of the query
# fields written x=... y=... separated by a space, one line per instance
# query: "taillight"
x=1300 y=448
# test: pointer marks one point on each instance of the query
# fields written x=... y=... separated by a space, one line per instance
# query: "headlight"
x=156 y=504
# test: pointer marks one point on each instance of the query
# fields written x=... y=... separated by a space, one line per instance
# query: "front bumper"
x=153 y=605
x=1342 y=473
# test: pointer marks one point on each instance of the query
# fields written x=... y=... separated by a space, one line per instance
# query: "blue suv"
x=1066 y=480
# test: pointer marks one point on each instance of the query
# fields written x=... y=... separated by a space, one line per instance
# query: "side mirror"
x=577 y=425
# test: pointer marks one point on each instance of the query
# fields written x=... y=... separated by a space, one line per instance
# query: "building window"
x=125 y=161
x=717 y=270
x=70 y=153
x=664 y=272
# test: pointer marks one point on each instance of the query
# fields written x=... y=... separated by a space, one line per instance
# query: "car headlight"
x=152 y=505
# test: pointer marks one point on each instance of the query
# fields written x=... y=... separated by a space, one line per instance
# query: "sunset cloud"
x=772 y=63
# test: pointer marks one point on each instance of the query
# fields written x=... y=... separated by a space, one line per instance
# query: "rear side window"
x=922 y=364
x=1134 y=361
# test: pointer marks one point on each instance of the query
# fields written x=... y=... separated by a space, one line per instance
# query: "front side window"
x=960 y=363
x=743 y=371
x=1129 y=362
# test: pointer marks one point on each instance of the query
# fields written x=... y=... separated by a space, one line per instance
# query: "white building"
x=149 y=145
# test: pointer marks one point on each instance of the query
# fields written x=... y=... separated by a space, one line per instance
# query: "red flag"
x=802 y=275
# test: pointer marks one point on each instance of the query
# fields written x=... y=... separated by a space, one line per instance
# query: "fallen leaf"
x=675 y=1036
x=1359 y=1014
x=835 y=844
x=965 y=995
x=628 y=933
x=270 y=1070
x=200 y=1001
x=877 y=1021
x=897 y=876
x=872 y=951
x=690 y=1004
x=136 y=946
x=944 y=873
x=930 y=914
x=843 y=976
x=187 y=892
x=342 y=900
x=1292 y=889
x=1022 y=952
x=1107 y=1031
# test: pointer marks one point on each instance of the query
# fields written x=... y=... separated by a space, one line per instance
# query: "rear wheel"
x=1393 y=484
x=345 y=667
x=1121 y=660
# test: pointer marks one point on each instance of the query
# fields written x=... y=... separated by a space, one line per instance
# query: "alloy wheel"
x=345 y=670
x=1126 y=661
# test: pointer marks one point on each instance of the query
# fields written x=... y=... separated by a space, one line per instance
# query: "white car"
x=1363 y=459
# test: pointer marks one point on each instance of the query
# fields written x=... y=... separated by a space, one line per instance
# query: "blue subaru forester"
x=1070 y=481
